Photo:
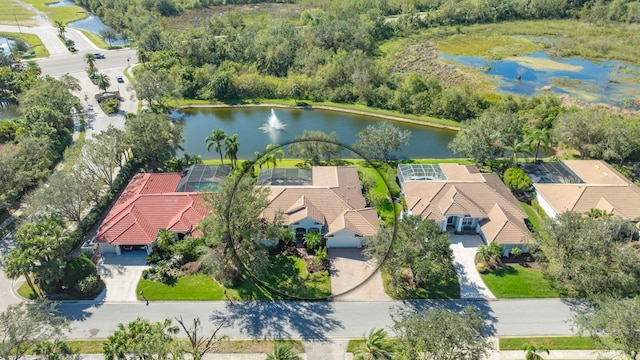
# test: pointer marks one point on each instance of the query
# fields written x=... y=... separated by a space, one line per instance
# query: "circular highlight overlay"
x=287 y=275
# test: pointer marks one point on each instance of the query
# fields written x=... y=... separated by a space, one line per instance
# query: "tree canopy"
x=25 y=325
x=442 y=334
x=315 y=147
x=376 y=142
x=418 y=258
x=589 y=256
x=232 y=228
x=153 y=137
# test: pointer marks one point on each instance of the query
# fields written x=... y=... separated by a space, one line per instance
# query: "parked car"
x=99 y=55
x=120 y=79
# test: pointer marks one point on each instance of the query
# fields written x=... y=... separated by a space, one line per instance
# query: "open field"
x=66 y=14
x=13 y=12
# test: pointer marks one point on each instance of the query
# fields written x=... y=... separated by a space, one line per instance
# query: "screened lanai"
x=408 y=172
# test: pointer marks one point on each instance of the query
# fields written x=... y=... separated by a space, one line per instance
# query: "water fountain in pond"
x=272 y=127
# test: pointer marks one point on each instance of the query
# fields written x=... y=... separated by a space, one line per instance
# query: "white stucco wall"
x=307 y=224
x=107 y=248
x=544 y=204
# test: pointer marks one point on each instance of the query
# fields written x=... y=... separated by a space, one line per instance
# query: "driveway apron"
x=353 y=278
x=464 y=251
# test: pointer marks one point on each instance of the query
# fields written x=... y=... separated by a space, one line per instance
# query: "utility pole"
x=16 y=18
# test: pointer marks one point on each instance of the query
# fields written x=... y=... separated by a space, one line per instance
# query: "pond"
x=8 y=111
x=62 y=3
x=256 y=128
x=6 y=45
x=94 y=24
x=610 y=82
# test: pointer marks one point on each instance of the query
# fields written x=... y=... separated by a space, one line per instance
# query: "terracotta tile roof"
x=335 y=192
x=469 y=192
x=147 y=205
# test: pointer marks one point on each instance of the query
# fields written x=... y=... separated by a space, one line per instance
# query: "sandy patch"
x=543 y=64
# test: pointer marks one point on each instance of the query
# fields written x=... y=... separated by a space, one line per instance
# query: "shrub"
x=78 y=269
x=89 y=285
x=110 y=106
x=518 y=181
x=482 y=268
x=191 y=268
x=516 y=251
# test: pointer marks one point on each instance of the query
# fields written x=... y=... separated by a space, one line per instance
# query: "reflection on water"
x=8 y=111
x=609 y=82
x=425 y=142
x=62 y=3
x=94 y=24
x=6 y=45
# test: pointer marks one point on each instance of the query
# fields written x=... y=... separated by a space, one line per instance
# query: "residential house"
x=325 y=199
x=459 y=197
x=582 y=185
x=154 y=202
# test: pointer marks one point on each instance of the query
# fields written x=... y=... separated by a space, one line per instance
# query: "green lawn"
x=228 y=347
x=288 y=277
x=33 y=40
x=66 y=14
x=533 y=216
x=95 y=38
x=517 y=281
x=12 y=12
x=192 y=287
x=436 y=289
x=551 y=343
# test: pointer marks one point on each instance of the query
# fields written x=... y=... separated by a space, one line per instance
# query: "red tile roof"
x=149 y=203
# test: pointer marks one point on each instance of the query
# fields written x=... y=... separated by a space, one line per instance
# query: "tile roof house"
x=326 y=199
x=460 y=197
x=602 y=187
x=150 y=203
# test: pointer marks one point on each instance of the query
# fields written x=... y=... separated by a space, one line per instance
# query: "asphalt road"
x=316 y=320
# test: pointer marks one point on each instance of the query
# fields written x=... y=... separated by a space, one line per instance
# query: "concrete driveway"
x=464 y=252
x=353 y=278
x=121 y=274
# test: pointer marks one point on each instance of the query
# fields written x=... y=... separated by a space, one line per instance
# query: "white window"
x=467 y=221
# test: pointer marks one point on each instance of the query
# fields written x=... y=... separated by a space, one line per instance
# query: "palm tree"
x=61 y=28
x=313 y=240
x=20 y=263
x=102 y=80
x=216 y=139
x=273 y=154
x=90 y=59
x=518 y=147
x=538 y=138
x=376 y=346
x=283 y=351
x=532 y=352
x=231 y=149
x=53 y=350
